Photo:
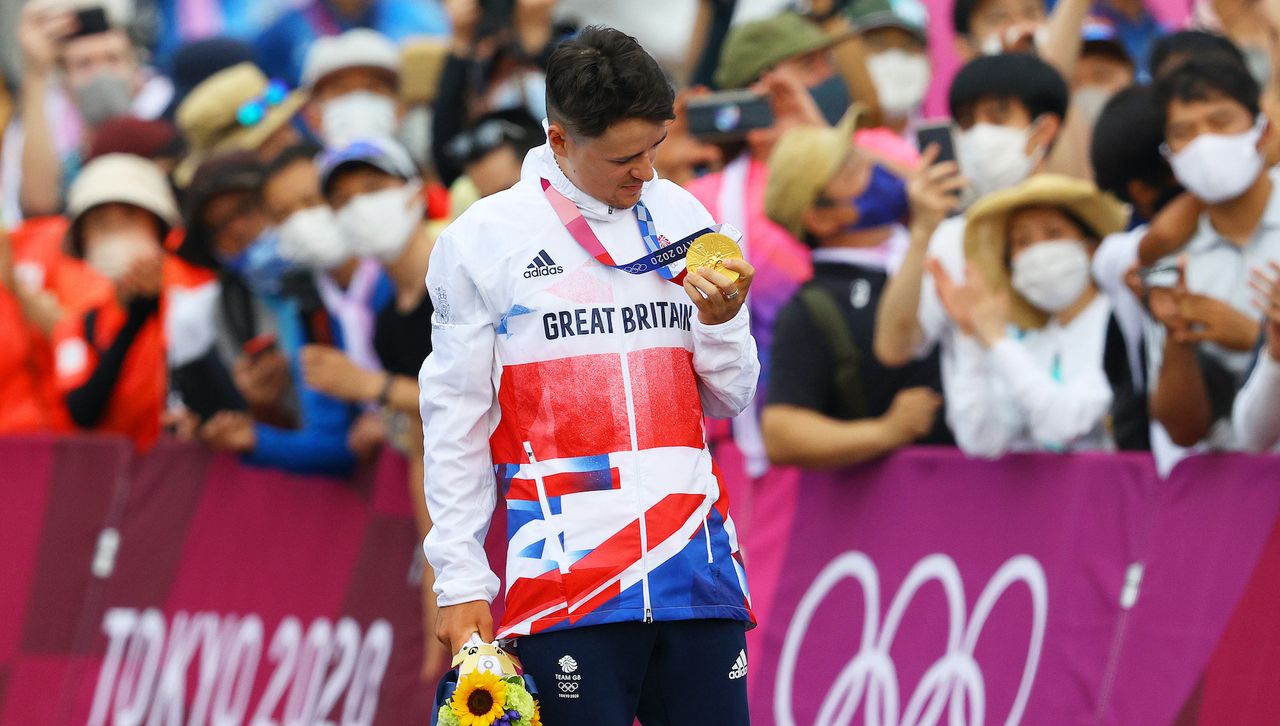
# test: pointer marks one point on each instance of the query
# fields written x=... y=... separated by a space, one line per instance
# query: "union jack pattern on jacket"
x=578 y=391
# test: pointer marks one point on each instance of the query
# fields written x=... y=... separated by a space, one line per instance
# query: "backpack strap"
x=846 y=358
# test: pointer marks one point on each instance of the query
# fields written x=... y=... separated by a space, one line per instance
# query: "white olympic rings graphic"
x=952 y=681
x=568 y=687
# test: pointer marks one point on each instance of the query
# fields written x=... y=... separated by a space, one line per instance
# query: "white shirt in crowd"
x=1256 y=417
x=1220 y=268
x=1113 y=258
x=1038 y=390
x=947 y=246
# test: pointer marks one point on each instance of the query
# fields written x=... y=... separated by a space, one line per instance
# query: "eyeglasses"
x=475 y=143
x=252 y=112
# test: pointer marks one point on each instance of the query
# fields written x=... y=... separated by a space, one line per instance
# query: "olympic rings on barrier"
x=952 y=681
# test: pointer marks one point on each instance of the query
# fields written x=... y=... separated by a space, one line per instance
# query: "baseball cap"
x=356 y=48
x=755 y=47
x=120 y=179
x=236 y=109
x=1100 y=38
x=380 y=153
x=801 y=164
x=909 y=15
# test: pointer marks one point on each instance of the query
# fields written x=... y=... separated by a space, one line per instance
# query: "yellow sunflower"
x=537 y=715
x=478 y=699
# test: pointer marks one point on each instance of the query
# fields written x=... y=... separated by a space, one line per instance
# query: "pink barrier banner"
x=1039 y=589
x=185 y=588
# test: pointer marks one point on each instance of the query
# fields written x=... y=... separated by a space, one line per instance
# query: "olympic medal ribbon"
x=578 y=228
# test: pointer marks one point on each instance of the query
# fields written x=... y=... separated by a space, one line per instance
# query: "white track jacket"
x=578 y=390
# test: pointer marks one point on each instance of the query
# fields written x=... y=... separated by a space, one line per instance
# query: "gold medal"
x=710 y=251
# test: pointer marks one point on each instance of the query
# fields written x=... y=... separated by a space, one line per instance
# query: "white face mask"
x=114 y=255
x=901 y=80
x=1219 y=167
x=379 y=224
x=1052 y=275
x=358 y=115
x=994 y=157
x=312 y=238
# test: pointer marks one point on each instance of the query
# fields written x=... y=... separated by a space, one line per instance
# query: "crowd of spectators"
x=233 y=248
x=218 y=218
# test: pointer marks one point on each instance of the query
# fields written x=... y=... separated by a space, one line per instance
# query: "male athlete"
x=572 y=364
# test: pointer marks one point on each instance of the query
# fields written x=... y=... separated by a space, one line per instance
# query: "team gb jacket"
x=578 y=390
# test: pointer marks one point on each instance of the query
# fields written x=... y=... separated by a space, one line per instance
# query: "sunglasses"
x=252 y=112
x=475 y=143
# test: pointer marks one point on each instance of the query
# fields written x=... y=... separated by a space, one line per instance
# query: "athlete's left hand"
x=719 y=300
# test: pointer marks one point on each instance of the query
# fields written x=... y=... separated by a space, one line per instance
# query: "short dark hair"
x=1202 y=79
x=1108 y=49
x=1018 y=76
x=962 y=15
x=1126 y=143
x=304 y=150
x=1190 y=44
x=602 y=77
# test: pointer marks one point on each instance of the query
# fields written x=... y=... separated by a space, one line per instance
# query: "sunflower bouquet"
x=486 y=689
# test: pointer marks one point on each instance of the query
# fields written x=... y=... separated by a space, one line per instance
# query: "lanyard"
x=578 y=228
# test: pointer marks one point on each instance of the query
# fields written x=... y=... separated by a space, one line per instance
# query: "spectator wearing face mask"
x=1008 y=109
x=830 y=403
x=352 y=288
x=237 y=109
x=281 y=49
x=110 y=361
x=374 y=191
x=1045 y=365
x=491 y=154
x=353 y=81
x=74 y=79
x=787 y=59
x=994 y=27
x=896 y=38
x=1213 y=131
x=39 y=286
x=235 y=351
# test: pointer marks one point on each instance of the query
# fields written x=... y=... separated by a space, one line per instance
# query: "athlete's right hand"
x=456 y=623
